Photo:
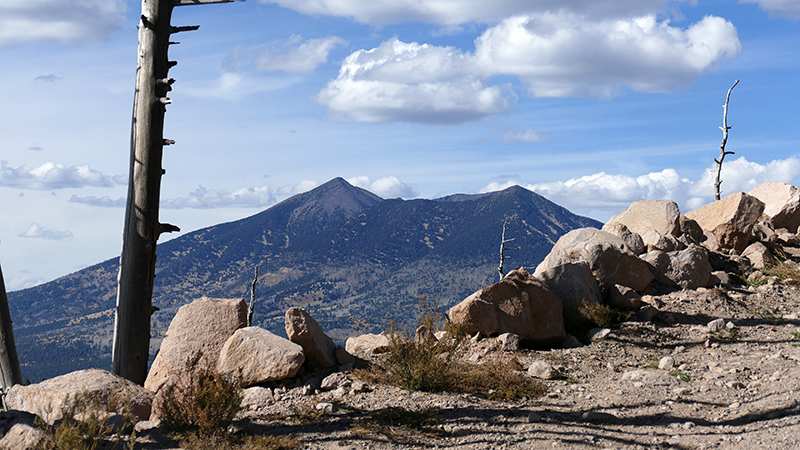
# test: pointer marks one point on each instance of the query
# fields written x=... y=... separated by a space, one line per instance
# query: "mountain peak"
x=335 y=199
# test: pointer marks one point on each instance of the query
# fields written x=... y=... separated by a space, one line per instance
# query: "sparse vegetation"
x=87 y=425
x=604 y=316
x=435 y=365
x=786 y=271
x=199 y=442
x=203 y=403
x=399 y=425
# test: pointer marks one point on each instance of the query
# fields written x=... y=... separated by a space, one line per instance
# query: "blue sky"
x=592 y=103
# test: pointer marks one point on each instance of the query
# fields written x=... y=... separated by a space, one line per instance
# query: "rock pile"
x=647 y=249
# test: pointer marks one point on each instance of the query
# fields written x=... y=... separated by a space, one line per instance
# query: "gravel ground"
x=737 y=387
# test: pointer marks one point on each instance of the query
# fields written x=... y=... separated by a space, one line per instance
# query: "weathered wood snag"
x=722 y=151
x=142 y=227
x=9 y=361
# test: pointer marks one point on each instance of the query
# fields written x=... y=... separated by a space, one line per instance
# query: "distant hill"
x=353 y=259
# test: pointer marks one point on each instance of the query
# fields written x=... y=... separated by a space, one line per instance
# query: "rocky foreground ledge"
x=706 y=356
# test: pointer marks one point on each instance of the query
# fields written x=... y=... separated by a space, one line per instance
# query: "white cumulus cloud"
x=65 y=21
x=294 y=189
x=51 y=176
x=298 y=56
x=37 y=231
x=609 y=194
x=786 y=8
x=386 y=187
x=411 y=82
x=553 y=54
x=565 y=54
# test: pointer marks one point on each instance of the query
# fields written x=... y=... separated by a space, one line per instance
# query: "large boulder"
x=609 y=257
x=575 y=285
x=197 y=333
x=781 y=204
x=689 y=268
x=50 y=398
x=302 y=329
x=645 y=215
x=731 y=219
x=255 y=356
x=519 y=304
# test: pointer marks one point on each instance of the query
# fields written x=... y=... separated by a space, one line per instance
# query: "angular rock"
x=423 y=335
x=519 y=304
x=781 y=204
x=607 y=255
x=623 y=297
x=256 y=397
x=653 y=240
x=789 y=239
x=47 y=399
x=255 y=356
x=577 y=288
x=199 y=328
x=343 y=357
x=302 y=329
x=689 y=268
x=691 y=229
x=719 y=278
x=18 y=431
x=633 y=240
x=367 y=344
x=335 y=381
x=730 y=219
x=646 y=215
x=759 y=256
x=509 y=342
x=763 y=232
x=542 y=369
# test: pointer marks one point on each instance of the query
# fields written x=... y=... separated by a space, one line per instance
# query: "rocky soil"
x=662 y=379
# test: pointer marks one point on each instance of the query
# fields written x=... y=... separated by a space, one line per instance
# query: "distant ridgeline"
x=352 y=259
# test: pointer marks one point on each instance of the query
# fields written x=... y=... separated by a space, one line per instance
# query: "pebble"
x=716 y=325
x=666 y=363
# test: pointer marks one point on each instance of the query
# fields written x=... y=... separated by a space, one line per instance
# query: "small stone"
x=734 y=405
x=542 y=369
x=509 y=342
x=534 y=417
x=679 y=349
x=730 y=325
x=596 y=334
x=688 y=425
x=666 y=363
x=325 y=407
x=716 y=325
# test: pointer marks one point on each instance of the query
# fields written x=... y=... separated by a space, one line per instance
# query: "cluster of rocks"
x=649 y=248
x=207 y=334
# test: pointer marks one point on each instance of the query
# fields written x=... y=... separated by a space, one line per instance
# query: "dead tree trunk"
x=142 y=226
x=503 y=249
x=9 y=361
x=722 y=151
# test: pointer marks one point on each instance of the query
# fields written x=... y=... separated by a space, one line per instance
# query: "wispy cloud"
x=296 y=55
x=51 y=78
x=104 y=201
x=37 y=231
x=527 y=136
x=203 y=198
x=784 y=8
x=51 y=176
x=65 y=21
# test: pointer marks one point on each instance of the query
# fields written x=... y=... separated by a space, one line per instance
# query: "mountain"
x=353 y=259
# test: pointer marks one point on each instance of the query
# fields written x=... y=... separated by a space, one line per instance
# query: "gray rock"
x=509 y=342
x=334 y=381
x=608 y=257
x=623 y=297
x=689 y=268
x=575 y=285
x=716 y=325
x=542 y=369
x=255 y=356
x=653 y=240
x=18 y=431
x=302 y=329
x=691 y=229
x=633 y=240
x=597 y=334
x=256 y=398
x=666 y=363
x=50 y=398
x=343 y=357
